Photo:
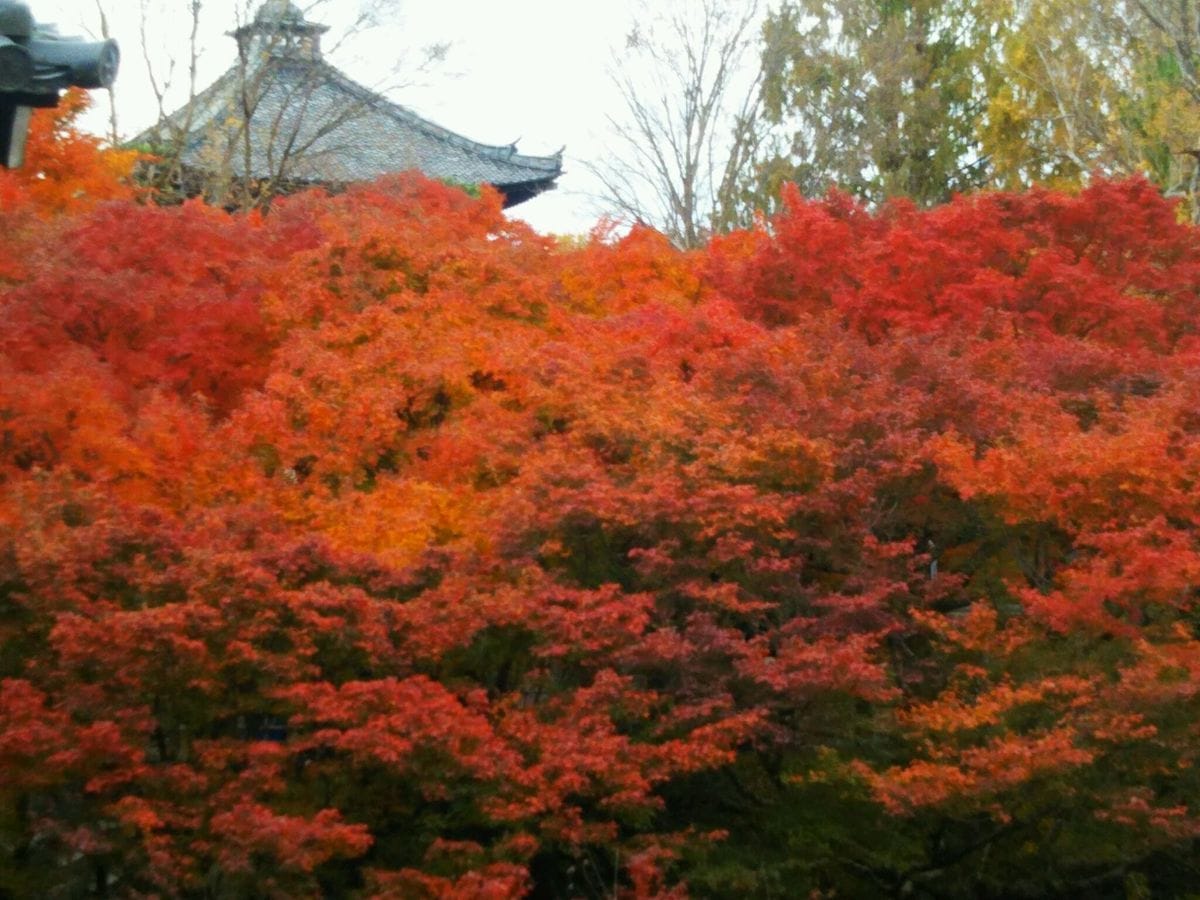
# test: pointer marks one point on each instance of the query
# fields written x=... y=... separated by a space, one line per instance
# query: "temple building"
x=282 y=119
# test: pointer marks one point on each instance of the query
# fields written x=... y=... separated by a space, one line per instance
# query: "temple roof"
x=311 y=124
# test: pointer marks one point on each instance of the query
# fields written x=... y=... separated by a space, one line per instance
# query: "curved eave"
x=525 y=190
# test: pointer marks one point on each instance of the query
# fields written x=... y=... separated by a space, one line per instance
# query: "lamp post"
x=36 y=66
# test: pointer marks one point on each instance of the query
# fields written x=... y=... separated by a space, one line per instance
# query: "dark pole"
x=14 y=125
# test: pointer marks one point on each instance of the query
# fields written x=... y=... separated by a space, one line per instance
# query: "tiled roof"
x=312 y=124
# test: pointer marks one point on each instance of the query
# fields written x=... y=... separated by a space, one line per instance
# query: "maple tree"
x=381 y=546
x=67 y=170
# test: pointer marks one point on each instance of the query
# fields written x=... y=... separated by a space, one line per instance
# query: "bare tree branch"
x=689 y=84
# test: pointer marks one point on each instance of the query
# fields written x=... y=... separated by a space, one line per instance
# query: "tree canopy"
x=381 y=546
x=925 y=98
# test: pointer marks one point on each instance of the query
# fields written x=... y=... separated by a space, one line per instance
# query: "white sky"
x=529 y=70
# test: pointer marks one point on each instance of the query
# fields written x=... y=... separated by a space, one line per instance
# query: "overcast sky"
x=529 y=70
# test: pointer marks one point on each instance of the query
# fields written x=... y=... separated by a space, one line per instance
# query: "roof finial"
x=280 y=29
x=278 y=11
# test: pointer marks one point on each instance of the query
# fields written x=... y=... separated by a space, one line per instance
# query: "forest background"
x=899 y=98
x=381 y=546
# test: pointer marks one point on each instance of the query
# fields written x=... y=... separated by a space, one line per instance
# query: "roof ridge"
x=504 y=152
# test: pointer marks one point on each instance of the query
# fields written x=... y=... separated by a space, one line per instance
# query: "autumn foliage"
x=380 y=546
